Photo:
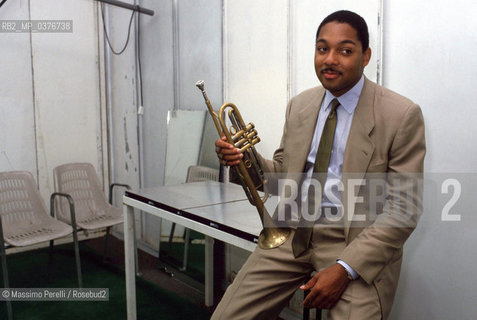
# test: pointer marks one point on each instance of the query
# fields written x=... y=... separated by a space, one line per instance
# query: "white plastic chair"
x=200 y=173
x=93 y=212
x=194 y=174
x=25 y=221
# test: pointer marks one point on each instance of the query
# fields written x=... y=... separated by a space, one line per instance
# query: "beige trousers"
x=269 y=278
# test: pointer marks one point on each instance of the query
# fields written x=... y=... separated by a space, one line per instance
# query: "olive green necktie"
x=303 y=233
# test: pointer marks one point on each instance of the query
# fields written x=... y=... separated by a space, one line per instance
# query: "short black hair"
x=354 y=20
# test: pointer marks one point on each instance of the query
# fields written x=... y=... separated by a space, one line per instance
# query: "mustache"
x=330 y=70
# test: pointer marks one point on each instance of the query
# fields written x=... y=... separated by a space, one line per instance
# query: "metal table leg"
x=129 y=236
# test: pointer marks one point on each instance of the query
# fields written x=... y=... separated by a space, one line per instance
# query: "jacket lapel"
x=307 y=118
x=359 y=147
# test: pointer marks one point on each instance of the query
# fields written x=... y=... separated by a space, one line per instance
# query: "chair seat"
x=48 y=229
x=101 y=219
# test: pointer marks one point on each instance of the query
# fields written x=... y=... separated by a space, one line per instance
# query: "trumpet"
x=249 y=170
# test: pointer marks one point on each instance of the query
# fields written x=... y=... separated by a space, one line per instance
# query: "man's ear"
x=366 y=56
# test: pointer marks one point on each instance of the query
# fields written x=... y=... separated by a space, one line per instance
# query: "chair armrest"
x=111 y=187
x=71 y=203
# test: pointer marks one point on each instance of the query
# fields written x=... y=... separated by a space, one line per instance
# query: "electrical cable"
x=107 y=37
x=2 y=3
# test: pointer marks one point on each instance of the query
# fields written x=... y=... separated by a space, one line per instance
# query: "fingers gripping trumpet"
x=249 y=169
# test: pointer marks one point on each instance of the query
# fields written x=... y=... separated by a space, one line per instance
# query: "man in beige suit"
x=371 y=186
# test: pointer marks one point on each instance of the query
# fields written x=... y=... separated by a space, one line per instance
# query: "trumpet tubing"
x=245 y=137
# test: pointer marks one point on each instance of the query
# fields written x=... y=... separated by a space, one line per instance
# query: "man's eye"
x=321 y=49
x=346 y=52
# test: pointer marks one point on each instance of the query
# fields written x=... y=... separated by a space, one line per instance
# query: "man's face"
x=339 y=57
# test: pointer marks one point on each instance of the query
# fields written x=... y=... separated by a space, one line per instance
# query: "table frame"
x=210 y=229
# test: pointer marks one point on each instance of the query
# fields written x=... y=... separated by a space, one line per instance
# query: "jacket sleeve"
x=381 y=241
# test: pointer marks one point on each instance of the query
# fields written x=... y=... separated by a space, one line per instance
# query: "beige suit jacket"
x=386 y=136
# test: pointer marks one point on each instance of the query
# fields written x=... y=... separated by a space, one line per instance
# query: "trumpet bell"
x=273 y=237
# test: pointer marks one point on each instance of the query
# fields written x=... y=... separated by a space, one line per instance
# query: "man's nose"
x=331 y=58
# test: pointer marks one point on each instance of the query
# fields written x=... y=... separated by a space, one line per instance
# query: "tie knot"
x=334 y=104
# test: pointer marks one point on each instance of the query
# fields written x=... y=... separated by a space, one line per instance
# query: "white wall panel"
x=256 y=65
x=428 y=57
x=17 y=129
x=50 y=97
x=124 y=105
x=200 y=49
x=66 y=80
x=157 y=62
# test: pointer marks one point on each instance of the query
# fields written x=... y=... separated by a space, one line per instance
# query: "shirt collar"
x=349 y=100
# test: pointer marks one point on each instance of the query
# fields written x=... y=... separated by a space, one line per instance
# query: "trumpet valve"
x=246 y=137
x=249 y=127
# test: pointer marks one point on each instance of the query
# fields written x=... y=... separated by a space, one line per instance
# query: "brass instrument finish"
x=244 y=137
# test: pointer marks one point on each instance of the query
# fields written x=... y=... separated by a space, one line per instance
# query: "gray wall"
x=51 y=101
x=426 y=58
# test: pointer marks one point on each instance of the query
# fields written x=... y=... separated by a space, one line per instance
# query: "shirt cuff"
x=353 y=273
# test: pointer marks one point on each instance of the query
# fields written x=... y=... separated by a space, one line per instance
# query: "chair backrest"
x=81 y=182
x=21 y=204
x=200 y=173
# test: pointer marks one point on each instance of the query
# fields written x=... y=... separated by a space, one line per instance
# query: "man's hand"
x=326 y=286
x=228 y=155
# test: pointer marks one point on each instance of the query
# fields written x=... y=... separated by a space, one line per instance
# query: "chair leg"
x=171 y=234
x=6 y=284
x=306 y=314
x=185 y=259
x=136 y=257
x=106 y=240
x=50 y=259
x=77 y=257
x=318 y=314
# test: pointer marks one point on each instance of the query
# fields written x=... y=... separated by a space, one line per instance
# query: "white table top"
x=189 y=195
x=221 y=206
x=239 y=218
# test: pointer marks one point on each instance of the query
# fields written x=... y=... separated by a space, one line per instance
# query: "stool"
x=306 y=311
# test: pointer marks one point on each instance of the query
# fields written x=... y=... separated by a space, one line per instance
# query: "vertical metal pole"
x=185 y=258
x=380 y=43
x=291 y=50
x=176 y=54
x=129 y=236
x=109 y=97
x=140 y=118
x=209 y=271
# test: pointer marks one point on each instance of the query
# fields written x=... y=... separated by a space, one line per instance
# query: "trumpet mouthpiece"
x=200 y=84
